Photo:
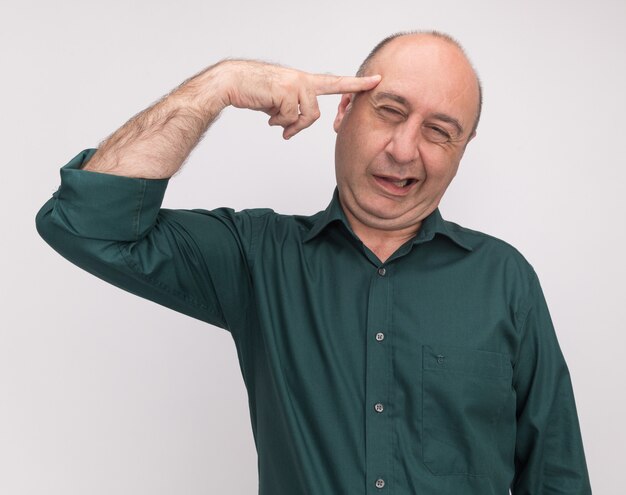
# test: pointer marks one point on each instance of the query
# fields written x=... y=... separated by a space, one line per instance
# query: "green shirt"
x=435 y=372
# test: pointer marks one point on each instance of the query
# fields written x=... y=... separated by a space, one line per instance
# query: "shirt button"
x=380 y=336
x=381 y=272
x=379 y=407
x=380 y=483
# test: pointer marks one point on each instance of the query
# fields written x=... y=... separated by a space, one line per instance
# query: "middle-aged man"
x=384 y=349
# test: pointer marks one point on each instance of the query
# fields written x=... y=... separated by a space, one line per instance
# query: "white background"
x=102 y=392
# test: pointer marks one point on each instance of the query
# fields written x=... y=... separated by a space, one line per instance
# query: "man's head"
x=364 y=68
x=414 y=124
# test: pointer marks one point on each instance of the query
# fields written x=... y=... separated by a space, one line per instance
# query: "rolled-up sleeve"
x=195 y=261
x=549 y=454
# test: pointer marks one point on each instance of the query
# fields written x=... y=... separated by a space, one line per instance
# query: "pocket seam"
x=503 y=370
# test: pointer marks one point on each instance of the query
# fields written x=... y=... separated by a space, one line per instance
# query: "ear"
x=344 y=107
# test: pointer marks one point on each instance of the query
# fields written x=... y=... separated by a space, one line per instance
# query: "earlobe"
x=343 y=108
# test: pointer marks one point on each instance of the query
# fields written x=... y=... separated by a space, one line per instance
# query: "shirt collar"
x=431 y=225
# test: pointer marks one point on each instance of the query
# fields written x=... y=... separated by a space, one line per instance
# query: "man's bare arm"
x=155 y=143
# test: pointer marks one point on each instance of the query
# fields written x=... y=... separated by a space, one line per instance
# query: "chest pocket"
x=463 y=393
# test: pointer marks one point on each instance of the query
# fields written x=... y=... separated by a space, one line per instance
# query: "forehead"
x=432 y=75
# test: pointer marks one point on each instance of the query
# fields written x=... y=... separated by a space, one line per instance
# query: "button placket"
x=378 y=375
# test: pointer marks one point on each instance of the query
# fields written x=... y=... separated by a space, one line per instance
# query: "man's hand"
x=155 y=143
x=289 y=96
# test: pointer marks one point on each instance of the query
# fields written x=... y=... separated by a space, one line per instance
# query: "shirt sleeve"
x=192 y=261
x=549 y=455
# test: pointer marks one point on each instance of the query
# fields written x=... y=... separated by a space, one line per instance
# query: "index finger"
x=325 y=84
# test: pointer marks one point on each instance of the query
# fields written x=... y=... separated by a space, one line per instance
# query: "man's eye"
x=437 y=133
x=391 y=110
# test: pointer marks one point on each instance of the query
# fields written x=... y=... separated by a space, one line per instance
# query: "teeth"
x=400 y=183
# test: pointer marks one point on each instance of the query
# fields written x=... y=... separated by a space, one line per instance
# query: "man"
x=384 y=349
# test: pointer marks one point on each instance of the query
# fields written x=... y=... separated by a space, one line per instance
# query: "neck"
x=383 y=243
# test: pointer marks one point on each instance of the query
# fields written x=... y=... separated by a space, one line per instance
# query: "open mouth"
x=397 y=184
x=400 y=183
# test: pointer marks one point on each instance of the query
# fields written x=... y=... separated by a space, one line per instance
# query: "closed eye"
x=437 y=134
x=391 y=110
x=440 y=131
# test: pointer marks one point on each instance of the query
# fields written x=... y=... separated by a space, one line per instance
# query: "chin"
x=385 y=202
x=381 y=207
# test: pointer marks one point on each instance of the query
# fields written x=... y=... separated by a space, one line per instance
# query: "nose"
x=403 y=146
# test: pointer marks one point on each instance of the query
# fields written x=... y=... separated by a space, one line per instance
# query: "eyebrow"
x=403 y=101
x=397 y=98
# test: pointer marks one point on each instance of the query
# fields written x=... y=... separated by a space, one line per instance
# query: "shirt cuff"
x=106 y=206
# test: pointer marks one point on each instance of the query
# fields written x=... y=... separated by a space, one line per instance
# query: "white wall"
x=102 y=392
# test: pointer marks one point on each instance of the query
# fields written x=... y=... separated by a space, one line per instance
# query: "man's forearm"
x=155 y=143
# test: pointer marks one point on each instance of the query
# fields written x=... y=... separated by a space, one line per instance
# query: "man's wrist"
x=207 y=92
